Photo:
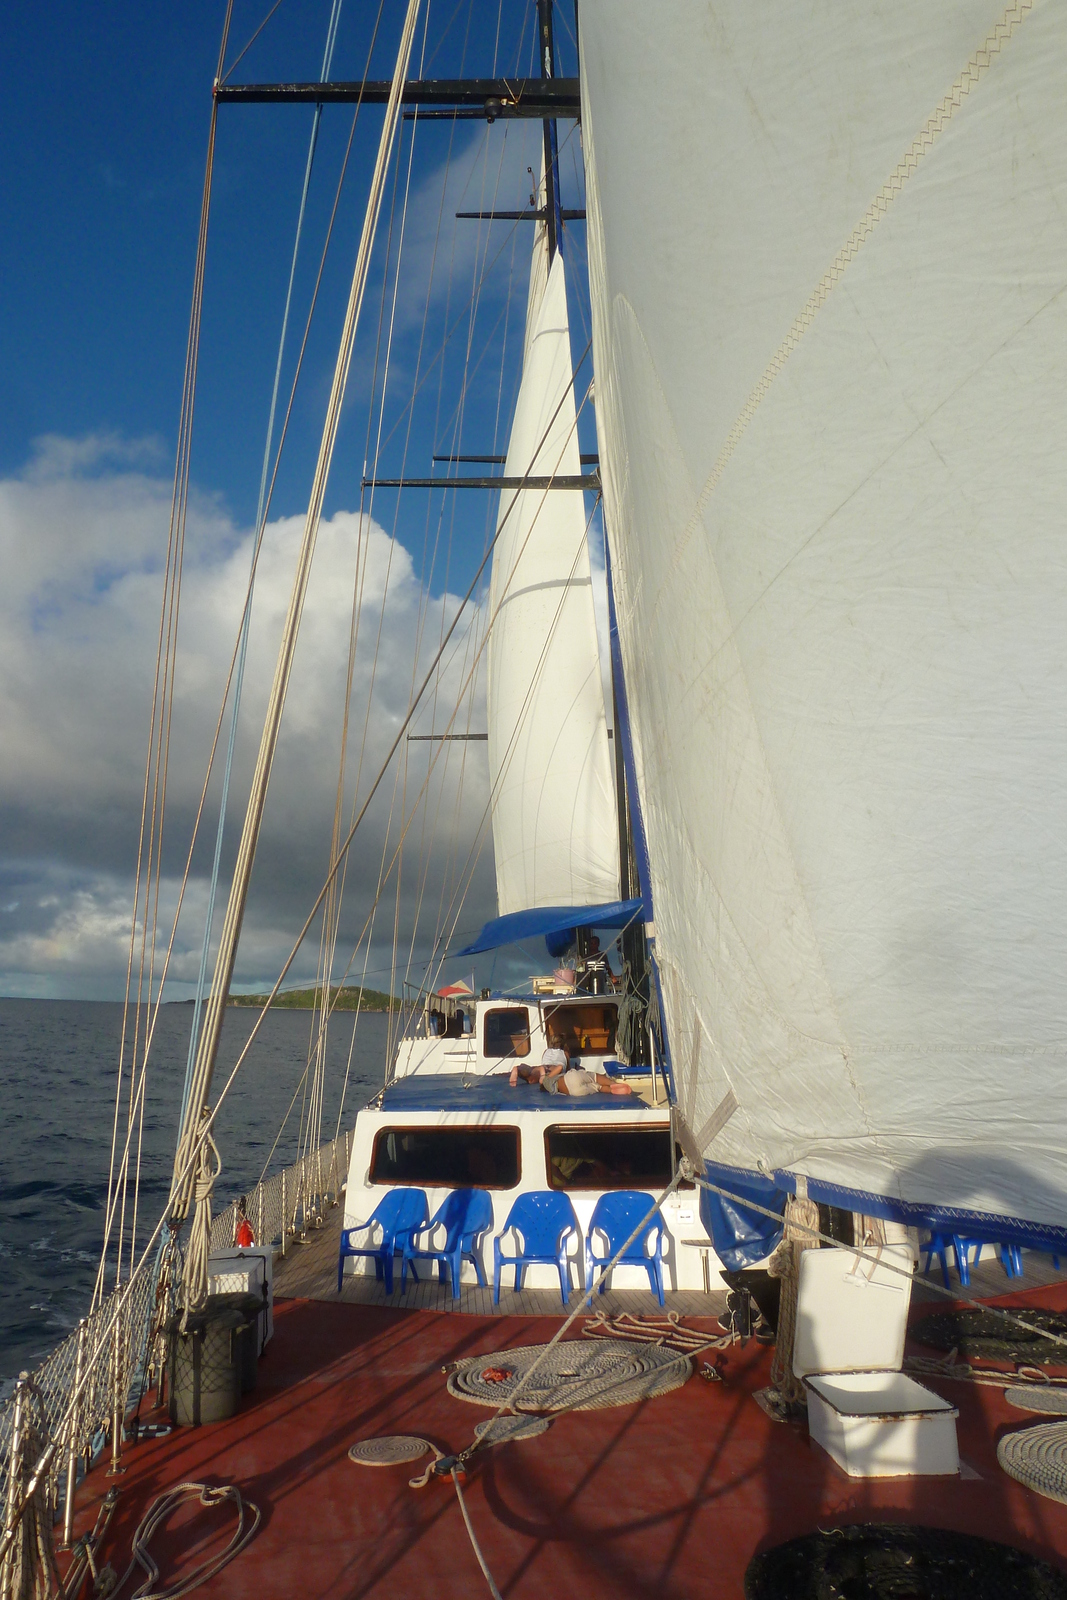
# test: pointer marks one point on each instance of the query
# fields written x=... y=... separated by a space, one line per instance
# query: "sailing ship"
x=824 y=830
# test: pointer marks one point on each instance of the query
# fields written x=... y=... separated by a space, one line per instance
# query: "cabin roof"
x=455 y=1091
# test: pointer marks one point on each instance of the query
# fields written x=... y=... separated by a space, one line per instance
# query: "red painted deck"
x=669 y=1499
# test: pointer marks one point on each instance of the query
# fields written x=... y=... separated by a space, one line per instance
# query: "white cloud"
x=82 y=537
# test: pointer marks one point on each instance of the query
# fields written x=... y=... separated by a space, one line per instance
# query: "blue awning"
x=553 y=921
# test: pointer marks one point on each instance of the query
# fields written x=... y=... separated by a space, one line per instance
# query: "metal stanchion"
x=72 y=1444
x=118 y=1398
x=11 y=1504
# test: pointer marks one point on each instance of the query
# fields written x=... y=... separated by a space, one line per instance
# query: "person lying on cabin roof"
x=554 y=1058
x=577 y=1081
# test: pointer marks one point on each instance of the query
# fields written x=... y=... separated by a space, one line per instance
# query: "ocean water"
x=57 y=1094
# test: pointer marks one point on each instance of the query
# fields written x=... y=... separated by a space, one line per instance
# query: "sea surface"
x=57 y=1096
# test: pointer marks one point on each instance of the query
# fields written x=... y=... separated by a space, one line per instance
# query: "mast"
x=546 y=47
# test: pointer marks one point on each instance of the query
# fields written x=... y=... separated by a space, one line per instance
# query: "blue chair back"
x=540 y=1217
x=617 y=1214
x=463 y=1214
x=399 y=1211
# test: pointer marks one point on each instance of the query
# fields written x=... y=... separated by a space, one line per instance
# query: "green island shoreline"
x=343 y=997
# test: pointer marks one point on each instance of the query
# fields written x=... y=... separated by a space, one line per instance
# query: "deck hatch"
x=447 y=1157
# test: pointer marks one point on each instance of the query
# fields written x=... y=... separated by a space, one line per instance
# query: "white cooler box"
x=851 y=1322
x=245 y=1271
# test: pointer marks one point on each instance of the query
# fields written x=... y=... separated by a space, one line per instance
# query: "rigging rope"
x=260 y=529
x=475 y=1546
x=196 y=1262
x=155 y=782
x=250 y=833
x=162 y=1507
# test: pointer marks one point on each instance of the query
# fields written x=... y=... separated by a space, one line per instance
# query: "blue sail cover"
x=552 y=922
x=741 y=1237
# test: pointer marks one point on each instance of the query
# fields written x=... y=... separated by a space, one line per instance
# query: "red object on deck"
x=668 y=1499
x=244 y=1236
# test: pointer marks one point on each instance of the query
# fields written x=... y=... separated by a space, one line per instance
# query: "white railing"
x=75 y=1403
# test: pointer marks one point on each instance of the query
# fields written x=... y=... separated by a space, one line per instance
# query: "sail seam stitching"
x=920 y=146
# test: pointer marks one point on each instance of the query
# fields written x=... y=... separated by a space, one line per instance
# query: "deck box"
x=863 y=1410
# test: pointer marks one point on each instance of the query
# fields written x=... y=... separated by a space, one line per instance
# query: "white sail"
x=554 y=820
x=830 y=356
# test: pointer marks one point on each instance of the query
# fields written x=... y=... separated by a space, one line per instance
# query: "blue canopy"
x=552 y=922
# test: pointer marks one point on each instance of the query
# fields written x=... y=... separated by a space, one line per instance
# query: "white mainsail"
x=554 y=819
x=830 y=355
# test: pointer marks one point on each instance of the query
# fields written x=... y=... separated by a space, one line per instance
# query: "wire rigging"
x=260 y=525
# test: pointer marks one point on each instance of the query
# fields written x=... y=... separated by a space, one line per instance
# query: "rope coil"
x=209 y=1496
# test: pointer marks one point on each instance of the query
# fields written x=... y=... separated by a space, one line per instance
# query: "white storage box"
x=245 y=1271
x=851 y=1323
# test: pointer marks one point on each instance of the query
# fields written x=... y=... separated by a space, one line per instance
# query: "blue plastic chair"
x=617 y=1069
x=464 y=1215
x=616 y=1215
x=1011 y=1256
x=938 y=1245
x=544 y=1222
x=398 y=1213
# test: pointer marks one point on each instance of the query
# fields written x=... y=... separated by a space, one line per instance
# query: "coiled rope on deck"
x=209 y=1165
x=1037 y=1458
x=248 y=1520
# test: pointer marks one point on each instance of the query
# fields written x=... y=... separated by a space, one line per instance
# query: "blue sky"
x=103 y=124
x=105 y=134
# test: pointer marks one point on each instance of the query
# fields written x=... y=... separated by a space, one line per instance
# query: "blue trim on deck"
x=925 y=1214
x=739 y=1231
x=455 y=1091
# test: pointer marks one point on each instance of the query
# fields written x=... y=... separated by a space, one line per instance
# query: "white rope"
x=158 y=745
x=162 y=1507
x=493 y=1590
x=586 y=1300
x=215 y=1012
x=196 y=1262
x=198 y=999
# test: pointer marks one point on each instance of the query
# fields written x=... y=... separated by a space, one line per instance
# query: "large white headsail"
x=829 y=271
x=554 y=820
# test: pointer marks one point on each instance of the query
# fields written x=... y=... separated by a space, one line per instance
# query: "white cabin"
x=489 y=1034
x=440 y=1131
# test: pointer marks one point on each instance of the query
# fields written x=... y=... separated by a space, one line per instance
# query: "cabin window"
x=447 y=1158
x=587 y=1030
x=507 y=1032
x=609 y=1158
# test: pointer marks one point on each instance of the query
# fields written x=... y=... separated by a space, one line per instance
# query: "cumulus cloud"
x=82 y=538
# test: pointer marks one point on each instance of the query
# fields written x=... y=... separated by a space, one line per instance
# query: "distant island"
x=346 y=997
